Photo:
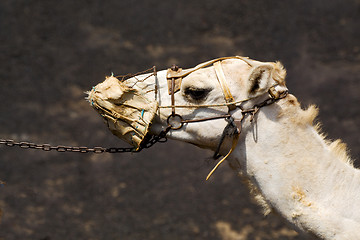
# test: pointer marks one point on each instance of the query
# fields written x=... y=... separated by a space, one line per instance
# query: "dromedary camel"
x=239 y=108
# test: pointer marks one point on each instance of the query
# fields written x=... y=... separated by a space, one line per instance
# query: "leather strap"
x=233 y=146
x=222 y=80
x=172 y=97
x=180 y=73
x=185 y=72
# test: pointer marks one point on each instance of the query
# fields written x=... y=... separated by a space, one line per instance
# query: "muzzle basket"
x=127 y=113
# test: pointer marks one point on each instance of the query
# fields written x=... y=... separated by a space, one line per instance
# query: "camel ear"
x=260 y=79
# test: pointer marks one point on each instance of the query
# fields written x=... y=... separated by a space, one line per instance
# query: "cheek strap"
x=222 y=80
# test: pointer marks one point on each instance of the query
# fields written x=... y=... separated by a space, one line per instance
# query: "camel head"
x=290 y=167
x=192 y=105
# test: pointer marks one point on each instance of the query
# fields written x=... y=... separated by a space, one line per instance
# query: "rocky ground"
x=54 y=51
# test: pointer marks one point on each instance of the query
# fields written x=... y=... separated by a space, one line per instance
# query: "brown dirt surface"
x=54 y=51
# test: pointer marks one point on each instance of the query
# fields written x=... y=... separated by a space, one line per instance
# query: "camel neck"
x=299 y=174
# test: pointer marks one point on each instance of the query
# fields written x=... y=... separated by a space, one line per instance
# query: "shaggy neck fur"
x=293 y=170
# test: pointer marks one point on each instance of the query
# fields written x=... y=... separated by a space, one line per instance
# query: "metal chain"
x=156 y=138
x=253 y=111
x=60 y=148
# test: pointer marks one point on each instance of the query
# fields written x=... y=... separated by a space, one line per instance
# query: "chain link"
x=156 y=138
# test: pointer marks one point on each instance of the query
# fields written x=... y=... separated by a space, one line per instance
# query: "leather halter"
x=233 y=128
x=174 y=78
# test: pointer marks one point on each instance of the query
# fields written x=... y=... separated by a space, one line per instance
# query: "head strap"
x=179 y=73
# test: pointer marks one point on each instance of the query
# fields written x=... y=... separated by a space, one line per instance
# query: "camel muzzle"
x=127 y=113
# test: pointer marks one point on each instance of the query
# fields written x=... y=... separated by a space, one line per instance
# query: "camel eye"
x=197 y=93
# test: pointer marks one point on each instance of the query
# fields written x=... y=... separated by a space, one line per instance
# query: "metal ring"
x=172 y=119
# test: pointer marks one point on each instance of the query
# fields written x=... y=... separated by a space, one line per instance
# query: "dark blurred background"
x=51 y=52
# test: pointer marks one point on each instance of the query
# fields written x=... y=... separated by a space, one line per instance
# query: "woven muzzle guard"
x=127 y=113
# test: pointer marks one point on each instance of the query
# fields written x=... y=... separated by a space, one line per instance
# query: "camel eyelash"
x=197 y=93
